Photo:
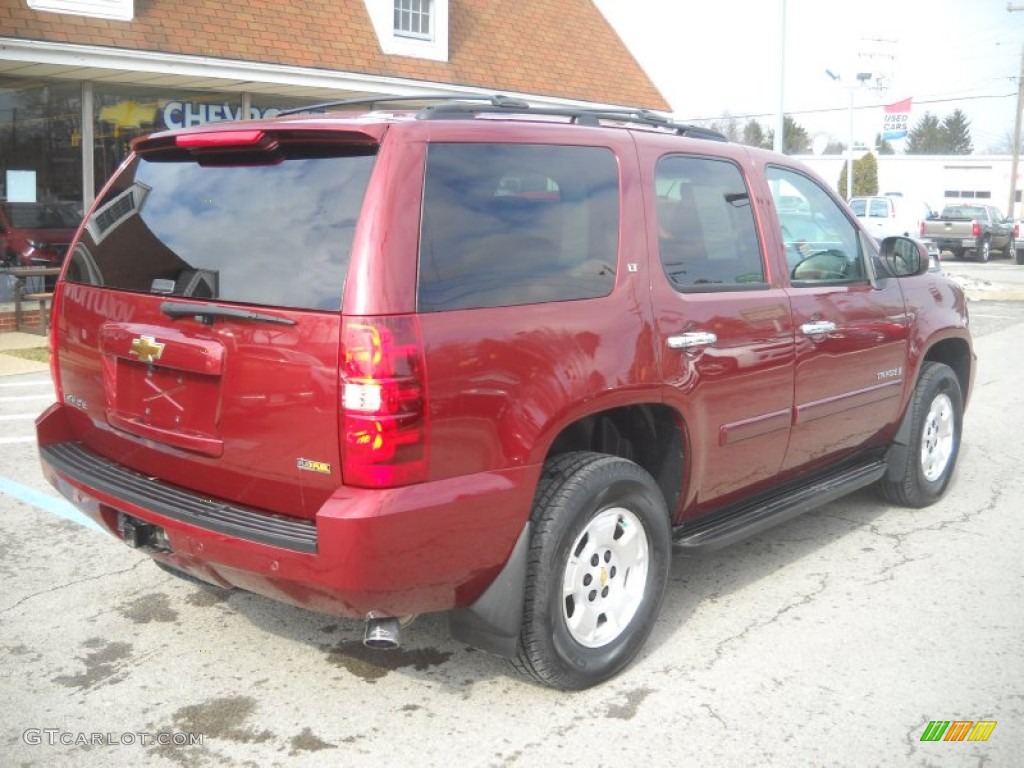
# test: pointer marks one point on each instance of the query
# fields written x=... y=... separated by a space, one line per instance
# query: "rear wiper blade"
x=205 y=313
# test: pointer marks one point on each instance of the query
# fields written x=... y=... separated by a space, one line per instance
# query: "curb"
x=994 y=294
x=11 y=365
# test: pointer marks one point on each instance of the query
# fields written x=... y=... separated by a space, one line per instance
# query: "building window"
x=122 y=10
x=969 y=194
x=417 y=28
x=40 y=142
x=412 y=19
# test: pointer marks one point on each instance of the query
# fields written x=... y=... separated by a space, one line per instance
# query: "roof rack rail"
x=372 y=100
x=582 y=116
x=450 y=106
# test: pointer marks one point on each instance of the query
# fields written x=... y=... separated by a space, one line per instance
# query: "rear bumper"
x=416 y=549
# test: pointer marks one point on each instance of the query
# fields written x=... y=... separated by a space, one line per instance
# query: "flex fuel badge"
x=314 y=466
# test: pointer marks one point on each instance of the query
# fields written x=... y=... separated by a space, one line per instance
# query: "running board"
x=731 y=526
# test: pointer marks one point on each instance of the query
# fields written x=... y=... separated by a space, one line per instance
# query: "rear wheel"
x=984 y=251
x=925 y=468
x=598 y=566
x=1009 y=250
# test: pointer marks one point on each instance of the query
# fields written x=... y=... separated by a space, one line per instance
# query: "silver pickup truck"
x=979 y=229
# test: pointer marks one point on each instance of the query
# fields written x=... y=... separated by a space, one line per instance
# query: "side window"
x=509 y=224
x=707 y=239
x=822 y=245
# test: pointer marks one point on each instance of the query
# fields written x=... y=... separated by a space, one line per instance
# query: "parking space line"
x=13 y=440
x=23 y=398
x=52 y=504
x=24 y=383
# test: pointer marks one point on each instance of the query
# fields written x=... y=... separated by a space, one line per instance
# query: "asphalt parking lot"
x=834 y=639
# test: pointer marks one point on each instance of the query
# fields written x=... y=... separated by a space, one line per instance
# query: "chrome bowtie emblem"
x=147 y=349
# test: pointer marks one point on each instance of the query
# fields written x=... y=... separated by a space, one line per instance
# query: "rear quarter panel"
x=503 y=381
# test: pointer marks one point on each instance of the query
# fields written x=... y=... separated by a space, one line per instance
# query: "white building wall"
x=935 y=179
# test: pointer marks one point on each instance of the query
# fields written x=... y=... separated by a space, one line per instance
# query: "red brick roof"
x=562 y=48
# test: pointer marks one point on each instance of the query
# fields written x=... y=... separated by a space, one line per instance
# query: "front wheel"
x=923 y=471
x=597 y=571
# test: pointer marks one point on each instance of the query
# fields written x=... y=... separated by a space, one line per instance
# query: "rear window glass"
x=271 y=234
x=963 y=212
x=508 y=224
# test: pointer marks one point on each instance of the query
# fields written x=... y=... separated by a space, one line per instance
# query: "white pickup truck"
x=894 y=215
x=888 y=215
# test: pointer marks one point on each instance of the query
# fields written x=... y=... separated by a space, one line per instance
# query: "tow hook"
x=141 y=535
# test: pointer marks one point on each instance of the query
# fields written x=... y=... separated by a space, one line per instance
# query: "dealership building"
x=80 y=79
x=938 y=180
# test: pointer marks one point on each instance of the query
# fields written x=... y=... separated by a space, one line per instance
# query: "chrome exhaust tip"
x=382 y=633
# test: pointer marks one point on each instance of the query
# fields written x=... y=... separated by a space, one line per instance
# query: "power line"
x=823 y=110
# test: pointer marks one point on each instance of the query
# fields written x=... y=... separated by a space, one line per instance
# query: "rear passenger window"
x=508 y=224
x=706 y=234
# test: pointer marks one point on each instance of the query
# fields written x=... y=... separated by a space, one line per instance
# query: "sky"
x=713 y=58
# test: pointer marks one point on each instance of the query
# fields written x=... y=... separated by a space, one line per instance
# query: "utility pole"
x=779 y=144
x=1012 y=204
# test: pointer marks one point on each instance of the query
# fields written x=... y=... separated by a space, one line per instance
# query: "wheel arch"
x=956 y=353
x=652 y=435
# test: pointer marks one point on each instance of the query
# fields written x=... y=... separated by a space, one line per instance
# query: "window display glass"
x=40 y=141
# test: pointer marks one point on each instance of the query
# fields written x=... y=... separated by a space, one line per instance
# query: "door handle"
x=691 y=340
x=817 y=328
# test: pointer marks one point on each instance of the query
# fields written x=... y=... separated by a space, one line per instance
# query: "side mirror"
x=904 y=257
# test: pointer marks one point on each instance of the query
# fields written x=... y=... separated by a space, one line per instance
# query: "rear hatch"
x=198 y=322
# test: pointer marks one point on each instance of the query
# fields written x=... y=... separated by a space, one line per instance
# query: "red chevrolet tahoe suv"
x=487 y=359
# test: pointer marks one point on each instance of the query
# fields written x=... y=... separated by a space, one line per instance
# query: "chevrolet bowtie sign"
x=147 y=349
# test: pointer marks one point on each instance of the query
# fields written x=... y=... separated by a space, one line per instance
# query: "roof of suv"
x=445 y=107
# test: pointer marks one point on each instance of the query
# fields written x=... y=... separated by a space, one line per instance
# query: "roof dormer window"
x=122 y=10
x=417 y=28
x=412 y=19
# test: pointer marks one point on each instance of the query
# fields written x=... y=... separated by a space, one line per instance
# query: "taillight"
x=922 y=228
x=222 y=139
x=55 y=310
x=383 y=402
x=975 y=229
x=1016 y=231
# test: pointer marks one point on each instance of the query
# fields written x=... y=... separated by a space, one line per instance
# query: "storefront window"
x=40 y=141
x=263 y=105
x=124 y=112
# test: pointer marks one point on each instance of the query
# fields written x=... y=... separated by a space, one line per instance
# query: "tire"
x=1009 y=251
x=985 y=251
x=1020 y=256
x=598 y=566
x=923 y=471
